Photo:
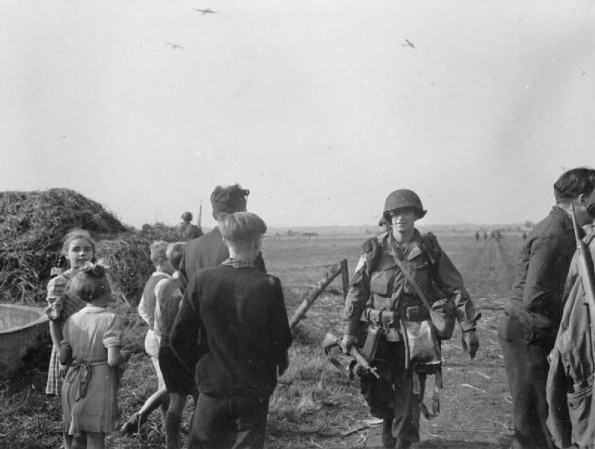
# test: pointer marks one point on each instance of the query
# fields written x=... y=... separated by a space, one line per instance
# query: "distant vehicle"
x=206 y=11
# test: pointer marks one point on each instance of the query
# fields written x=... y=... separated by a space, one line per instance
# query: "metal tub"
x=21 y=329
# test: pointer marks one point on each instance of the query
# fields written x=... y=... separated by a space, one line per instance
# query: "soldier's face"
x=403 y=220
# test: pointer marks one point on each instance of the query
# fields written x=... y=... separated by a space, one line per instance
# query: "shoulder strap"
x=406 y=273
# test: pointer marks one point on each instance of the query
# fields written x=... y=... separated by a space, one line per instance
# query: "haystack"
x=129 y=259
x=32 y=228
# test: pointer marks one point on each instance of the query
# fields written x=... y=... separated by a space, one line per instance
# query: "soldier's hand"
x=347 y=342
x=470 y=343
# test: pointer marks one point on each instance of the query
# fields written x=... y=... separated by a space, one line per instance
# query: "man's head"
x=242 y=231
x=574 y=187
x=187 y=217
x=591 y=205
x=159 y=258
x=228 y=199
x=174 y=254
x=403 y=199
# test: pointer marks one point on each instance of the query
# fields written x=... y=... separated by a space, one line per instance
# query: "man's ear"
x=583 y=199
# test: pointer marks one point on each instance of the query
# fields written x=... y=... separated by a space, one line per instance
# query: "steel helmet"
x=187 y=216
x=403 y=198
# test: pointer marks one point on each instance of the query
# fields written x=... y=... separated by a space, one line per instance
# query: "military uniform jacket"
x=379 y=284
x=572 y=367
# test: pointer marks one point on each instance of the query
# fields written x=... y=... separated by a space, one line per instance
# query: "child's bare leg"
x=95 y=440
x=67 y=441
x=173 y=419
x=158 y=399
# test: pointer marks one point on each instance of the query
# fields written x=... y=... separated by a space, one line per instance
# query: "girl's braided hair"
x=90 y=282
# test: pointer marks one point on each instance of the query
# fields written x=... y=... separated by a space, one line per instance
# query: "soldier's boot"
x=388 y=441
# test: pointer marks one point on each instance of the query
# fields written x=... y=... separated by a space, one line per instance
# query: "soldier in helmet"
x=187 y=230
x=381 y=294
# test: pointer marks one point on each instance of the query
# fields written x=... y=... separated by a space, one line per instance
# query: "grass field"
x=315 y=406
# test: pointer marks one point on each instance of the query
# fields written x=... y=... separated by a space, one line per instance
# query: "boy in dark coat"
x=233 y=326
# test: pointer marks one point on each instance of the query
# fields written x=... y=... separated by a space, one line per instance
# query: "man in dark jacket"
x=233 y=326
x=209 y=250
x=528 y=330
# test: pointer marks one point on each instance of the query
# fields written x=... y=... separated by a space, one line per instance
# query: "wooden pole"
x=345 y=277
x=309 y=300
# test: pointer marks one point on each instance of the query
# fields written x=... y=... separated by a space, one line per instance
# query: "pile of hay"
x=129 y=259
x=33 y=226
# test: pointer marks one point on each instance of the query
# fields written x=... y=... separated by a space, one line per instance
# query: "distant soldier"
x=187 y=230
x=524 y=236
x=532 y=317
x=476 y=236
x=382 y=293
x=484 y=235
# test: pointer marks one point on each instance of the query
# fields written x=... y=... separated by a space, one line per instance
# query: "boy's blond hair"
x=241 y=227
x=158 y=252
x=174 y=253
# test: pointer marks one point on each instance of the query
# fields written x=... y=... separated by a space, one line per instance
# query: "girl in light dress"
x=90 y=355
x=78 y=248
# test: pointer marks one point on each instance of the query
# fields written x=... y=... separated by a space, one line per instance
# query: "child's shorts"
x=176 y=376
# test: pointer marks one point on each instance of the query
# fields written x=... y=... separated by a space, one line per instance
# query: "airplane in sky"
x=206 y=11
x=174 y=46
x=408 y=43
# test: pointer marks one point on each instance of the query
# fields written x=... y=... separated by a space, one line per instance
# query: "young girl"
x=78 y=248
x=91 y=346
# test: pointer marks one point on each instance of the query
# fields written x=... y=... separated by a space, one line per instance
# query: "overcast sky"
x=320 y=108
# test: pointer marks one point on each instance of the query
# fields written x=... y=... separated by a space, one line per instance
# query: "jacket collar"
x=565 y=219
x=413 y=250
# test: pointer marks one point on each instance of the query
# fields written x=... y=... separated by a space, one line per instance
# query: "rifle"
x=585 y=269
x=331 y=340
x=198 y=219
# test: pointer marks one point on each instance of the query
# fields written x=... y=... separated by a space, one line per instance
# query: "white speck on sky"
x=320 y=108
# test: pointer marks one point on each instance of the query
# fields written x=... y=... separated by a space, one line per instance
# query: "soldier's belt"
x=380 y=318
x=386 y=318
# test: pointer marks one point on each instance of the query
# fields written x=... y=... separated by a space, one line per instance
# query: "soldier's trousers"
x=527 y=369
x=393 y=398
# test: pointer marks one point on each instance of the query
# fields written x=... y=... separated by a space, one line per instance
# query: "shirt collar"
x=238 y=263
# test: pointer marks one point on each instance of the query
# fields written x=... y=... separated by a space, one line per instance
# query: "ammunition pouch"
x=371 y=343
x=387 y=321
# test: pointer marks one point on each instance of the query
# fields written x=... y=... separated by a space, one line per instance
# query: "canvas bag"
x=441 y=315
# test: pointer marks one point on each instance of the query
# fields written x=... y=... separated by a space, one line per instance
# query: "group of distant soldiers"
x=495 y=234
